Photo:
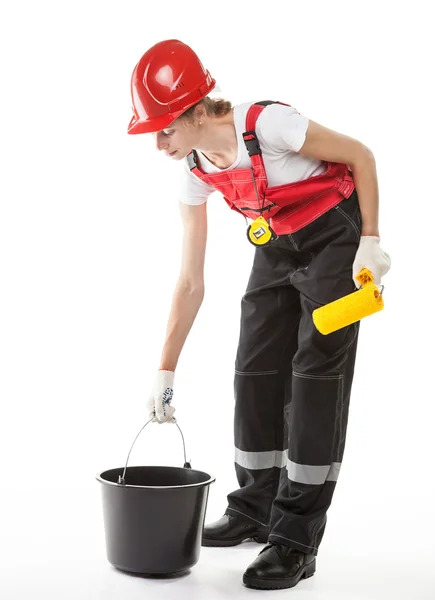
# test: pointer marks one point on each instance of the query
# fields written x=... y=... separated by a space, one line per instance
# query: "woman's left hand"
x=371 y=256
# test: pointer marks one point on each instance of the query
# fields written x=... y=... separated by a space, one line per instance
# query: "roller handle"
x=365 y=277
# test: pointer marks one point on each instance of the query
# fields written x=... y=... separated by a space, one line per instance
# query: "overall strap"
x=192 y=161
x=253 y=147
x=249 y=136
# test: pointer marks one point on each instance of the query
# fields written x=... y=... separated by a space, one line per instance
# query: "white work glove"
x=371 y=256
x=159 y=403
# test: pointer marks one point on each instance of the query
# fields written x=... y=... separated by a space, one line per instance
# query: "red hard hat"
x=168 y=79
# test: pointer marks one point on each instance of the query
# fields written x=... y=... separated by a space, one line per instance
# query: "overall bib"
x=292 y=384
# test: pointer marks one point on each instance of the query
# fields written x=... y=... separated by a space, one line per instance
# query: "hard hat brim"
x=151 y=125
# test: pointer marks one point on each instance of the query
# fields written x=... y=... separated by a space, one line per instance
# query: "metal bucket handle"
x=121 y=479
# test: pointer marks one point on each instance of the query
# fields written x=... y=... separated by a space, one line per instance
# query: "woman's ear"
x=200 y=113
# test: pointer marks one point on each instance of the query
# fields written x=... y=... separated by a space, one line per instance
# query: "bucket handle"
x=121 y=479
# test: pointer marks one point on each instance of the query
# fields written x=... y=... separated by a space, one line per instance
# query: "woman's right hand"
x=159 y=402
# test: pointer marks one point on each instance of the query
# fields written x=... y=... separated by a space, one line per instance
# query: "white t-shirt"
x=281 y=132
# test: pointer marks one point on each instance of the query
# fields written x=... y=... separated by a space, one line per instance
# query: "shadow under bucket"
x=154 y=516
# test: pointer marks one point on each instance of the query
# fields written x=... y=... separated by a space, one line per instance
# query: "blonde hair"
x=216 y=107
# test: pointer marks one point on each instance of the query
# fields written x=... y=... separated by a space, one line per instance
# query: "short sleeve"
x=282 y=128
x=192 y=189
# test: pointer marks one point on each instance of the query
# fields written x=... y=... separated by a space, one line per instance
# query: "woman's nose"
x=160 y=143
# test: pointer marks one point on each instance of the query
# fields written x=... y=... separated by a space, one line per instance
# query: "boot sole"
x=270 y=584
x=261 y=538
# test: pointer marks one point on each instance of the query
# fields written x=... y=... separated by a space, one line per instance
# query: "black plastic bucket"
x=154 y=516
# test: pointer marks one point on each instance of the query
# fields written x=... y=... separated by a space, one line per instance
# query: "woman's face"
x=178 y=139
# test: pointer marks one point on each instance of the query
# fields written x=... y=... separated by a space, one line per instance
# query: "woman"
x=316 y=191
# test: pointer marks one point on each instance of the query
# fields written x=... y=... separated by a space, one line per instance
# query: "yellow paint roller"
x=350 y=308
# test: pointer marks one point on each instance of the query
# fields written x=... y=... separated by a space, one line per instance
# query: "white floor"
x=52 y=547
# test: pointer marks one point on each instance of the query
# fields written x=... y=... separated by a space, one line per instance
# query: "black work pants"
x=292 y=384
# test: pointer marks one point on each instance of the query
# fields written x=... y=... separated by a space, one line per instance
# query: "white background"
x=90 y=239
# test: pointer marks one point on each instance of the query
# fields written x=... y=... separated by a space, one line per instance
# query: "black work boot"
x=278 y=567
x=230 y=531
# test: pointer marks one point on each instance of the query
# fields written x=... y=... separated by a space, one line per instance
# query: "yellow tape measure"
x=260 y=233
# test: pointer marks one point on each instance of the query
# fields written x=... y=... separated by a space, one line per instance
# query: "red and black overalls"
x=292 y=384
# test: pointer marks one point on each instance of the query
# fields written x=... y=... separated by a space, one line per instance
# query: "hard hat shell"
x=167 y=80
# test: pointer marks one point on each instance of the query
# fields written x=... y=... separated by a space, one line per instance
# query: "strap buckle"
x=251 y=142
x=192 y=160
